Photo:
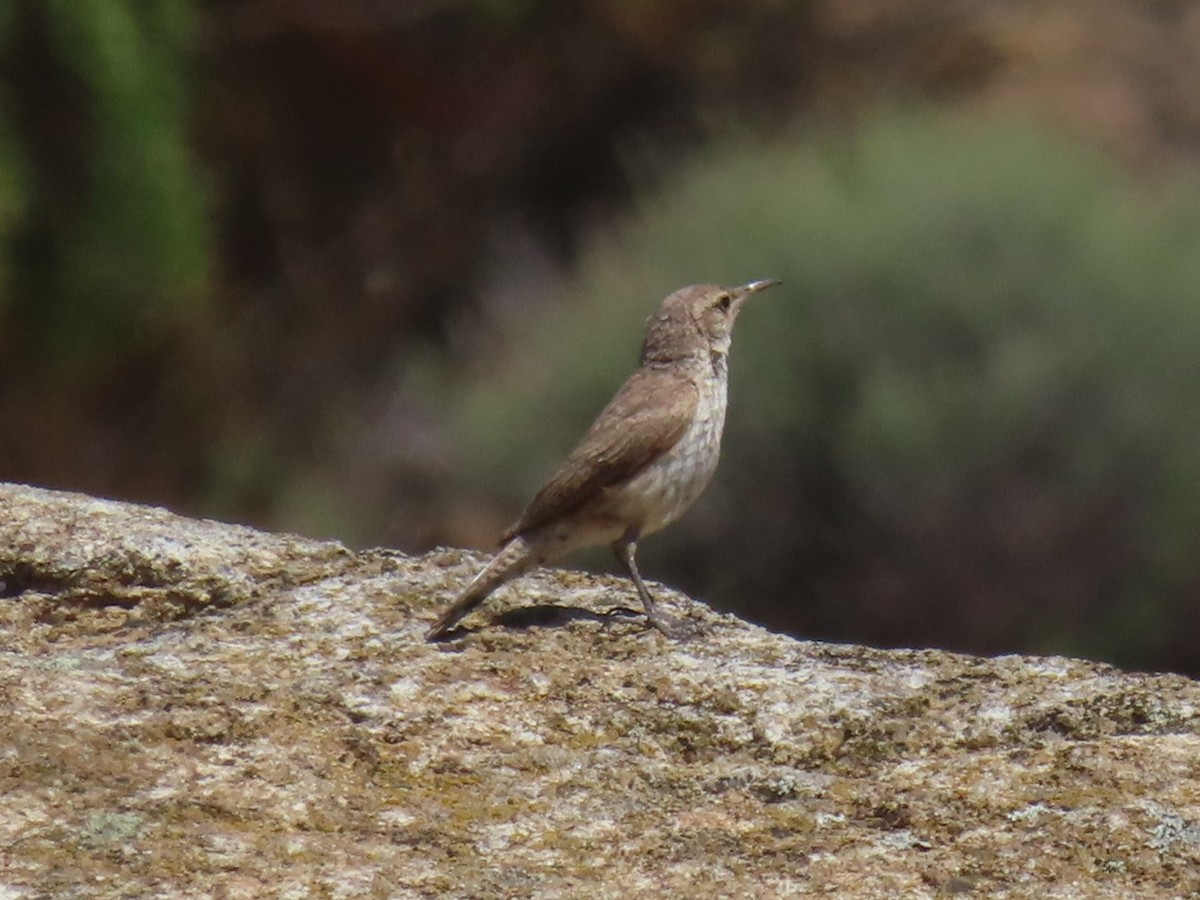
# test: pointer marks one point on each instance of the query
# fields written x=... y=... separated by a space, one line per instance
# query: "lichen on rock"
x=202 y=709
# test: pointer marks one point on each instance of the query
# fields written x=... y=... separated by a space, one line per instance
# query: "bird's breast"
x=661 y=492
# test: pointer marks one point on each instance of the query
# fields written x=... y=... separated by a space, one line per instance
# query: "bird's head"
x=696 y=321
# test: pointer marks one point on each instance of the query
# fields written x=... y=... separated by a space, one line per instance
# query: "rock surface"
x=199 y=709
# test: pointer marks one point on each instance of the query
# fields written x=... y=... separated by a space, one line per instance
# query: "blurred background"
x=365 y=270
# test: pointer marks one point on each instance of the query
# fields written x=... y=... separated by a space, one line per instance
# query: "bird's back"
x=649 y=415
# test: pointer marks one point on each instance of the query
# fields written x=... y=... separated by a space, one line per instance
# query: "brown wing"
x=644 y=420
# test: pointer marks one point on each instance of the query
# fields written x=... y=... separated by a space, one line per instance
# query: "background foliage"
x=365 y=269
x=113 y=241
x=970 y=412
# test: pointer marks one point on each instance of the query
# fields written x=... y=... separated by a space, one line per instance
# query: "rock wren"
x=646 y=458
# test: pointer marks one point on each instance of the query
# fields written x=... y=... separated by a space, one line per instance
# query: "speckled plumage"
x=647 y=457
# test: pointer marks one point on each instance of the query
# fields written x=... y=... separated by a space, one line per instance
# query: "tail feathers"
x=515 y=558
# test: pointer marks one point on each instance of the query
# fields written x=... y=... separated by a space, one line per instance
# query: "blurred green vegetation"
x=100 y=202
x=12 y=175
x=12 y=198
x=970 y=416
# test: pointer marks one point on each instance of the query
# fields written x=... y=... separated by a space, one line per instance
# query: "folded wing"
x=641 y=423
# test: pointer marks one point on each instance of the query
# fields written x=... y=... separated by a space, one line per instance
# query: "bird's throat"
x=720 y=362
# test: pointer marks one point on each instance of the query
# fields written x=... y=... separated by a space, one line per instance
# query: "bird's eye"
x=723 y=303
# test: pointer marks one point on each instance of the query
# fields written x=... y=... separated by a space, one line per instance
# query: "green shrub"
x=970 y=417
x=114 y=245
x=12 y=170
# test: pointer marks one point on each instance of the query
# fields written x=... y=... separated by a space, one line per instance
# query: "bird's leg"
x=625 y=548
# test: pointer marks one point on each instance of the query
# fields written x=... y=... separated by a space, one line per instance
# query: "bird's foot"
x=679 y=630
x=671 y=628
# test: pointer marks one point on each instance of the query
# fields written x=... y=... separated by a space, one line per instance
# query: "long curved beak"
x=740 y=294
x=755 y=286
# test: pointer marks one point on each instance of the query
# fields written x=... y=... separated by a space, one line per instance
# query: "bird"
x=645 y=459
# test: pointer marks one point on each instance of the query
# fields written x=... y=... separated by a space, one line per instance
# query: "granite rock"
x=201 y=709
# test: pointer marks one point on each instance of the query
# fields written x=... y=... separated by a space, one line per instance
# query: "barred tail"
x=515 y=558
